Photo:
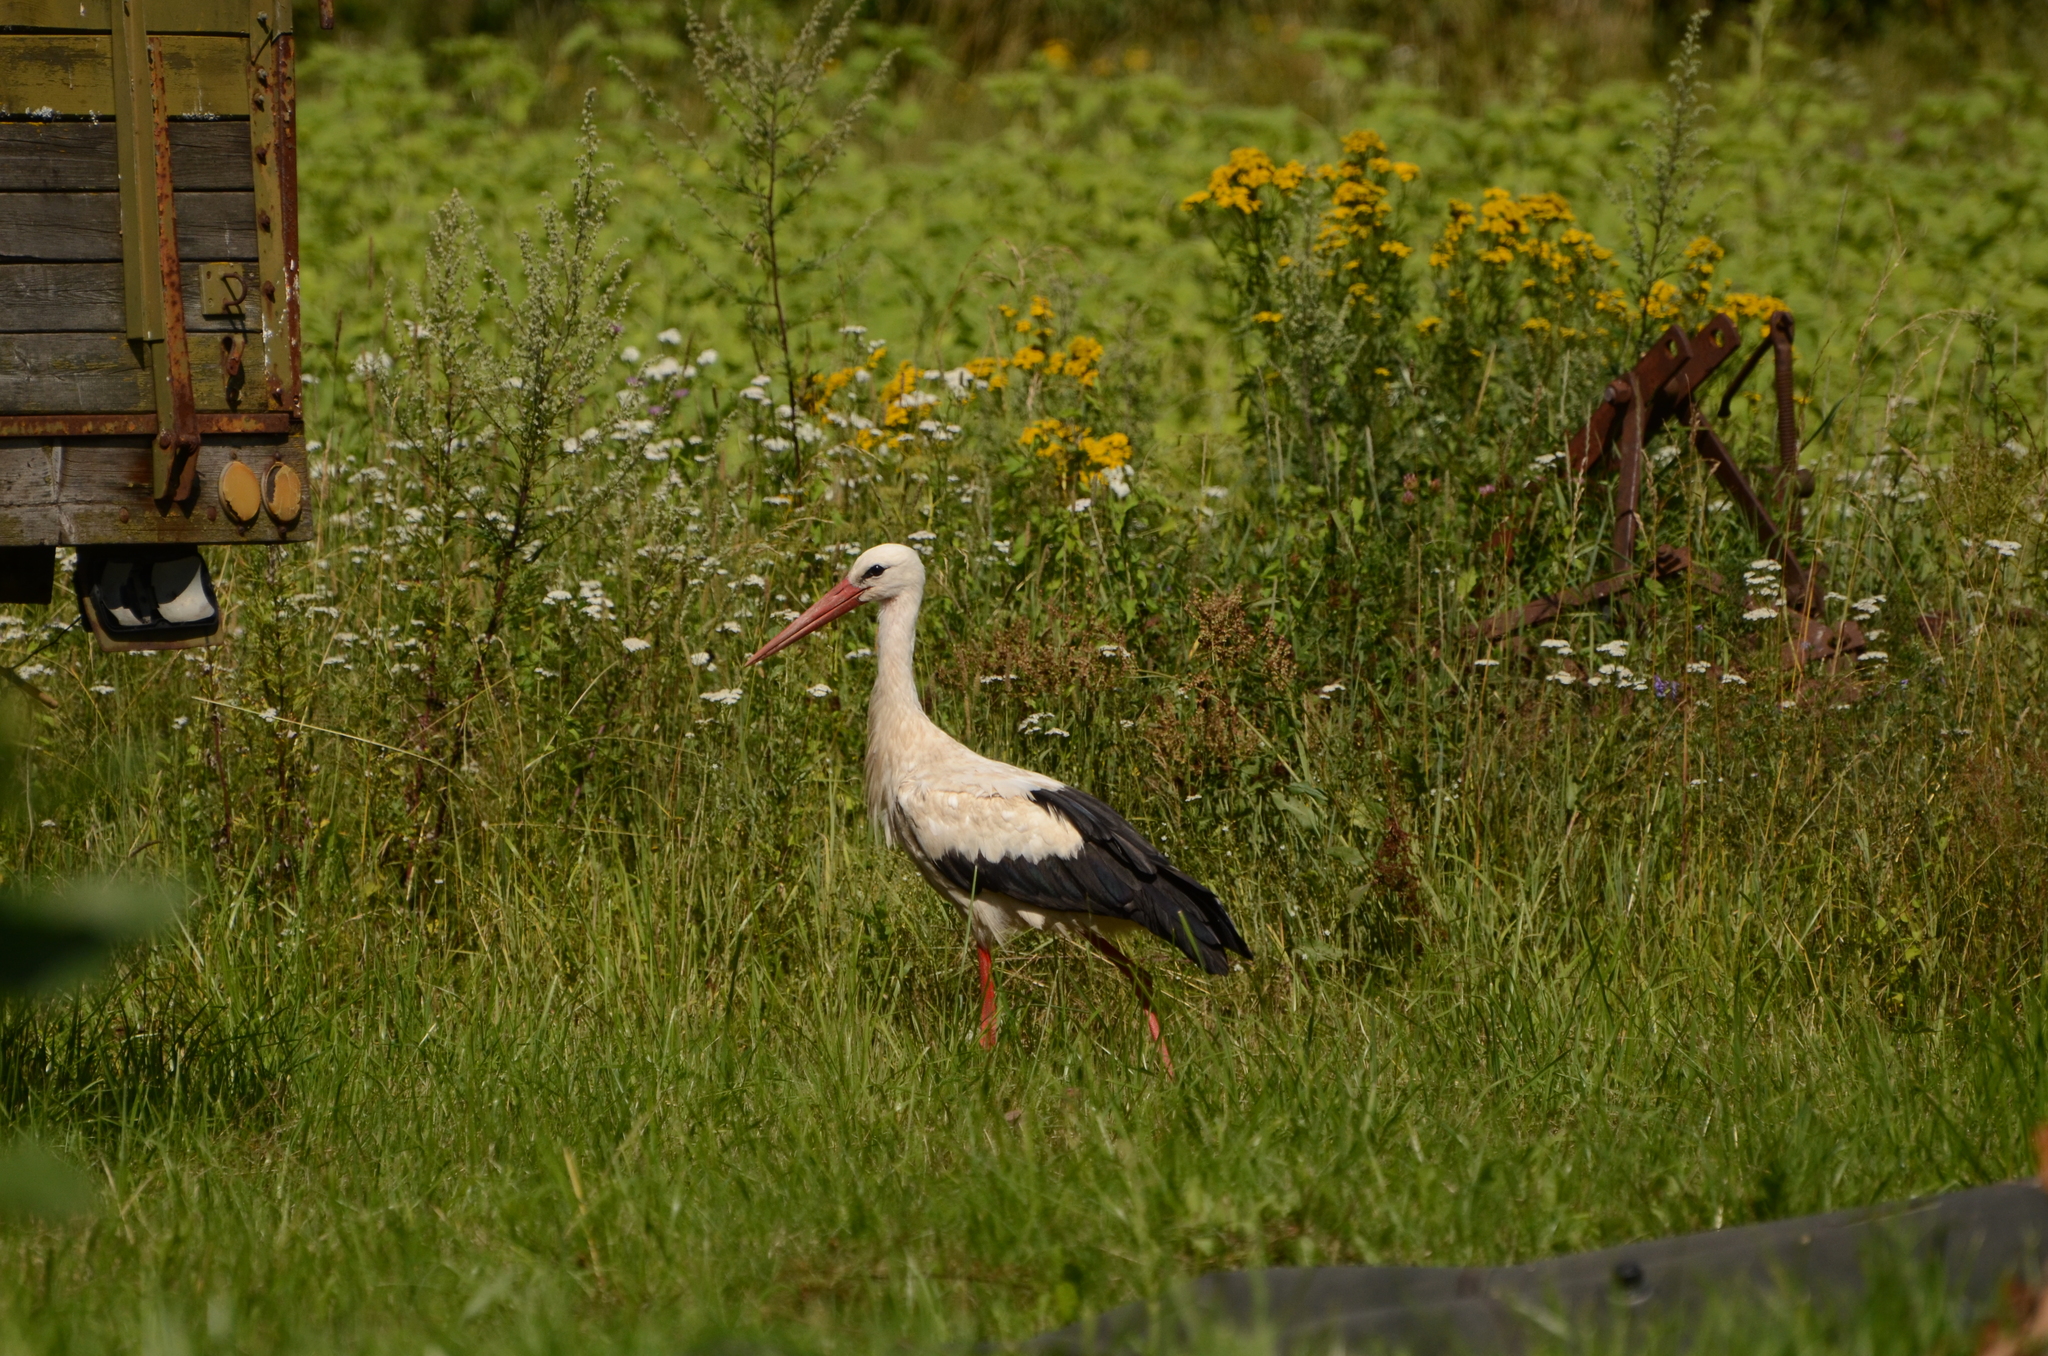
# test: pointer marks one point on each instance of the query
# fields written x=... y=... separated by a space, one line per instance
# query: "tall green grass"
x=529 y=1001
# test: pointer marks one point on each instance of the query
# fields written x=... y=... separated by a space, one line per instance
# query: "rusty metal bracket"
x=1793 y=482
x=175 y=459
x=1628 y=479
x=273 y=114
x=288 y=211
x=1668 y=562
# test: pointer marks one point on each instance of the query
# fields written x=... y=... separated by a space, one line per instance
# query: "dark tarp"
x=1973 y=1240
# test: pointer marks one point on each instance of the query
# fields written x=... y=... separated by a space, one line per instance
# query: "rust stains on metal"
x=286 y=85
x=177 y=427
x=134 y=425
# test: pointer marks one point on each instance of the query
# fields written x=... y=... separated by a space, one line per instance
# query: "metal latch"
x=222 y=289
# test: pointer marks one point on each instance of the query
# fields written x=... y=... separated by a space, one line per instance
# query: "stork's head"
x=881 y=573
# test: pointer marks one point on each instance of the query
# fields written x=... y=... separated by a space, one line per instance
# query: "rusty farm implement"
x=1661 y=393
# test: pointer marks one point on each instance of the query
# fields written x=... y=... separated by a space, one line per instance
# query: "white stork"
x=1014 y=849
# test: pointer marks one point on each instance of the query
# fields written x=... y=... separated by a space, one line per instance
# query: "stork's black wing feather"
x=1116 y=873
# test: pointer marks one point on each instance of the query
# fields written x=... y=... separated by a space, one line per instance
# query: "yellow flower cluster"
x=1514 y=223
x=1061 y=438
x=894 y=412
x=989 y=370
x=1750 y=305
x=1665 y=302
x=1532 y=259
x=1458 y=219
x=1108 y=451
x=1357 y=209
x=818 y=390
x=1610 y=301
x=1515 y=226
x=1702 y=254
x=1235 y=185
x=1077 y=360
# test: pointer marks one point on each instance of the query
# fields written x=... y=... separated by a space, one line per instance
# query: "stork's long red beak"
x=842 y=598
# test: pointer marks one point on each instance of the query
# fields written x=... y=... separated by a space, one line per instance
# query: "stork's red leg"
x=988 y=998
x=1142 y=983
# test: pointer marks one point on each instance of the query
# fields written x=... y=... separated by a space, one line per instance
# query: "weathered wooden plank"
x=78 y=494
x=52 y=75
x=186 y=16
x=87 y=298
x=28 y=476
x=99 y=374
x=78 y=157
x=86 y=227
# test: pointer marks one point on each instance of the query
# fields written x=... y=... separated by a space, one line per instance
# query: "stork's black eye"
x=873 y=571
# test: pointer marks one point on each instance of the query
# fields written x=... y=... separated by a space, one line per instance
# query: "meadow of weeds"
x=542 y=986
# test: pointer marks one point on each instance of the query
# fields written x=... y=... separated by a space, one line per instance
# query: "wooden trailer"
x=149 y=303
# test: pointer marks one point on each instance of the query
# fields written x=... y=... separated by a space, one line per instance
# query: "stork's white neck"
x=898 y=729
x=894 y=712
x=900 y=732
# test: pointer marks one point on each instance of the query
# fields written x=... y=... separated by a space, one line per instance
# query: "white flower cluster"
x=1765 y=582
x=592 y=602
x=1622 y=677
x=1035 y=724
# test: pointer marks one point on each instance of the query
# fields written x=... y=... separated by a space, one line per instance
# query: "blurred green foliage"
x=1473 y=51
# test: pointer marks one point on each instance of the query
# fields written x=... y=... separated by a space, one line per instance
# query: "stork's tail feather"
x=1147 y=887
x=1195 y=920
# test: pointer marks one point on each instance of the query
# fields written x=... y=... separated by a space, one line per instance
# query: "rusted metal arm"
x=1628 y=481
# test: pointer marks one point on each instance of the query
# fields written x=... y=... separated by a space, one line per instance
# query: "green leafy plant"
x=765 y=100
